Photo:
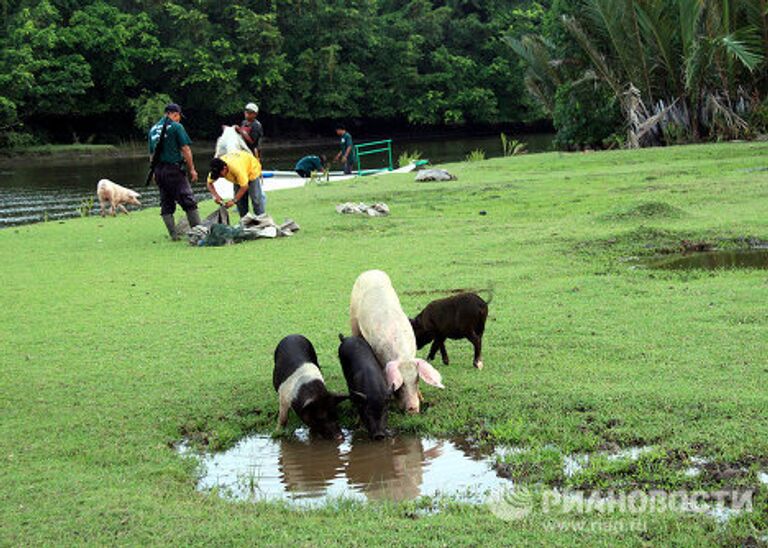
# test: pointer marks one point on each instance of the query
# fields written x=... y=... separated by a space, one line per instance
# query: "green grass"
x=64 y=149
x=117 y=343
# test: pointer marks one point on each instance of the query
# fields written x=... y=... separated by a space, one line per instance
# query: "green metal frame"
x=374 y=147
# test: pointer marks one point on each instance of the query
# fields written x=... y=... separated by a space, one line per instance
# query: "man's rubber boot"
x=170 y=224
x=193 y=216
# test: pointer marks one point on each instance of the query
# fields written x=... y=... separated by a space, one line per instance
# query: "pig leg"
x=438 y=344
x=102 y=209
x=477 y=342
x=122 y=208
x=282 y=418
x=443 y=352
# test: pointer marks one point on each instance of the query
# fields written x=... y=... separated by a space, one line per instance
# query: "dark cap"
x=217 y=165
x=173 y=107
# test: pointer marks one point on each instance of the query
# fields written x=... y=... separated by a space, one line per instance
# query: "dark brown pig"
x=460 y=316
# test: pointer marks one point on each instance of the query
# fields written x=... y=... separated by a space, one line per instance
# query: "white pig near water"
x=111 y=193
x=376 y=315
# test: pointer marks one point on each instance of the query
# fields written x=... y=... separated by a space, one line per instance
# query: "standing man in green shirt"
x=347 y=150
x=169 y=174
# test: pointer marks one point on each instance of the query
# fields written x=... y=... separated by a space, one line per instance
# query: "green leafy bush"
x=17 y=139
x=149 y=109
x=512 y=147
x=408 y=157
x=584 y=116
x=476 y=155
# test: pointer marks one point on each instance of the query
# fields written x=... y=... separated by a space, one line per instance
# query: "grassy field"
x=47 y=150
x=117 y=343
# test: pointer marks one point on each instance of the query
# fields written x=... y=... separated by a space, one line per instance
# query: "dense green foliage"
x=585 y=116
x=118 y=342
x=401 y=61
x=678 y=70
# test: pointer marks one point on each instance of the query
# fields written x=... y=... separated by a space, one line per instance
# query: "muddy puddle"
x=308 y=472
x=713 y=260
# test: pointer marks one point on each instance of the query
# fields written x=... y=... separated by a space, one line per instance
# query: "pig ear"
x=429 y=374
x=393 y=375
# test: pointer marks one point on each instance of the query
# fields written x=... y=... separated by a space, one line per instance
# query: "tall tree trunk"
x=693 y=112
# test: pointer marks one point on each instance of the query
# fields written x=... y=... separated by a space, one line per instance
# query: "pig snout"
x=376 y=424
x=410 y=404
x=330 y=431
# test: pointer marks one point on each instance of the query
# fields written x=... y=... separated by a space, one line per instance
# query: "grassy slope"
x=46 y=150
x=118 y=341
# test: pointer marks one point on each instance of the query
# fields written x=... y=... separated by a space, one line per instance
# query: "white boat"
x=231 y=141
x=279 y=180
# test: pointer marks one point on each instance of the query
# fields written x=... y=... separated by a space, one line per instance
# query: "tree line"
x=74 y=63
x=605 y=72
x=647 y=72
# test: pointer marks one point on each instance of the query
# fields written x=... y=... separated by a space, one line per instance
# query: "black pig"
x=460 y=316
x=300 y=386
x=368 y=389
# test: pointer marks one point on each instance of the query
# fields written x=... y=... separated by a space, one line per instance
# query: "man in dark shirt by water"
x=169 y=174
x=250 y=129
x=347 y=150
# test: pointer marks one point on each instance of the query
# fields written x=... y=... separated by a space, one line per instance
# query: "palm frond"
x=690 y=15
x=744 y=45
x=598 y=60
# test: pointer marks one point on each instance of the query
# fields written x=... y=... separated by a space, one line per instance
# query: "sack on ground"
x=251 y=227
x=376 y=210
x=435 y=175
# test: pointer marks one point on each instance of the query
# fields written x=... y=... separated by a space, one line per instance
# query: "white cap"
x=253 y=107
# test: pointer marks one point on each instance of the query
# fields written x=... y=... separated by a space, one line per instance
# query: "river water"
x=35 y=189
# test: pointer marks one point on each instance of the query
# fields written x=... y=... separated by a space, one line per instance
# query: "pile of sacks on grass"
x=375 y=210
x=216 y=231
x=434 y=175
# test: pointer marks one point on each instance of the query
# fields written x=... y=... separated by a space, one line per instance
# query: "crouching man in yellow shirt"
x=244 y=170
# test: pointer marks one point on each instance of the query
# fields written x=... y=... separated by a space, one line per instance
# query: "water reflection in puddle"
x=714 y=260
x=307 y=472
x=311 y=472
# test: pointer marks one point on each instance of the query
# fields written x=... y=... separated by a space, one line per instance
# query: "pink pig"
x=376 y=315
x=115 y=195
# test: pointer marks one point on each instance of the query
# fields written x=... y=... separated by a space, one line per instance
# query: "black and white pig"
x=460 y=316
x=300 y=386
x=365 y=380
